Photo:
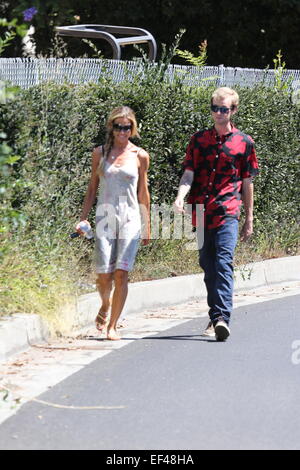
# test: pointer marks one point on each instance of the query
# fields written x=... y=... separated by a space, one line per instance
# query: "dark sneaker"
x=222 y=331
x=209 y=331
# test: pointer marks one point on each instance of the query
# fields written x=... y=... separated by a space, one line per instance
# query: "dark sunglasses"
x=222 y=109
x=118 y=127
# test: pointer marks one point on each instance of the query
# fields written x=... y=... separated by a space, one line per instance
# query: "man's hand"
x=246 y=231
x=146 y=236
x=184 y=187
x=247 y=197
x=179 y=204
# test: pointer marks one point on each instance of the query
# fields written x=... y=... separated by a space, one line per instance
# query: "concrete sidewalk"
x=18 y=332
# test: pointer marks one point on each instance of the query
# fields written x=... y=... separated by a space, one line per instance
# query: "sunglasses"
x=119 y=128
x=222 y=109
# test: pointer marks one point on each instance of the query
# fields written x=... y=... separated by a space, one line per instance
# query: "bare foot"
x=113 y=335
x=101 y=320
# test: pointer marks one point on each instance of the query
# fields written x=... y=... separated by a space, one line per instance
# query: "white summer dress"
x=118 y=220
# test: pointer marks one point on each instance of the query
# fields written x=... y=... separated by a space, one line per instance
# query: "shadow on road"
x=178 y=338
x=171 y=337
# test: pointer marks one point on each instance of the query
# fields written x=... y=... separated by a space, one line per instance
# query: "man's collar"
x=215 y=133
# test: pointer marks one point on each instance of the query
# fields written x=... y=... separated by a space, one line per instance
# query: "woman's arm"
x=143 y=195
x=93 y=185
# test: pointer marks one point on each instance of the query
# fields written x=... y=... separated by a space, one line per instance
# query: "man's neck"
x=223 y=130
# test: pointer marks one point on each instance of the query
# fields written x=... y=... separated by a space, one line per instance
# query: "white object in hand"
x=85 y=227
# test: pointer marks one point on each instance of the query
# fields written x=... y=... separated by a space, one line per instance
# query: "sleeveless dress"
x=118 y=220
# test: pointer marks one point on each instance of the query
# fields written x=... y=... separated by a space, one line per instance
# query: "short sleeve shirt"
x=219 y=164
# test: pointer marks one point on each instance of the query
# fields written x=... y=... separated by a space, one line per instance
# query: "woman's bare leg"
x=118 y=302
x=104 y=286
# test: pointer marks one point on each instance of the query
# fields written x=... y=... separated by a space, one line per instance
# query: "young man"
x=218 y=169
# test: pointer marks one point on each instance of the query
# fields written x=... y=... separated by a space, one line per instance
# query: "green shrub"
x=54 y=127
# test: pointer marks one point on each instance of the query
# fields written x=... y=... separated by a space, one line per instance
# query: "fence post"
x=221 y=73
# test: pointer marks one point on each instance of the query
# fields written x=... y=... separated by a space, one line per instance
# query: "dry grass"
x=47 y=282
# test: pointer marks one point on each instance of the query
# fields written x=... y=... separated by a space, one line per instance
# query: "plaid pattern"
x=219 y=165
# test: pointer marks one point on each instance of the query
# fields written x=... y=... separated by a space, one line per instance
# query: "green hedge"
x=52 y=128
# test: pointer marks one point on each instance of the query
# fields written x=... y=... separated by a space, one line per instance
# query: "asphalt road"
x=178 y=390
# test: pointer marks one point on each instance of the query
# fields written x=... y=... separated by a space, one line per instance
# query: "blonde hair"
x=225 y=92
x=119 y=112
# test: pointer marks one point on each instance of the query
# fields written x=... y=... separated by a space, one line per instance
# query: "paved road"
x=178 y=390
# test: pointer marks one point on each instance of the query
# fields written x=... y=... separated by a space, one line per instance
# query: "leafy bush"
x=9 y=182
x=54 y=127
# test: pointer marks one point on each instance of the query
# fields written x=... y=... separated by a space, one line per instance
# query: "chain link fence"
x=27 y=72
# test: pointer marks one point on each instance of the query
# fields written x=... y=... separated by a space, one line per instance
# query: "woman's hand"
x=78 y=229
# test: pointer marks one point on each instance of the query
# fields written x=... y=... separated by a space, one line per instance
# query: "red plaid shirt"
x=219 y=164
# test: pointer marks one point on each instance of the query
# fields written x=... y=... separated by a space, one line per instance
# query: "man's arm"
x=184 y=187
x=247 y=198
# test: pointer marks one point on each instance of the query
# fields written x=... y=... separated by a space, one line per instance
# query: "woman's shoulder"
x=97 y=152
x=143 y=159
x=98 y=149
x=141 y=153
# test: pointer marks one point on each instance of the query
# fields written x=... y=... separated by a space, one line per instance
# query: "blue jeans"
x=216 y=260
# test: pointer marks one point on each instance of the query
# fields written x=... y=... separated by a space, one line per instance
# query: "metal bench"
x=130 y=35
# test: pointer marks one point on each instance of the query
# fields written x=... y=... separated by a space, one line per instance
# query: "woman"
x=119 y=169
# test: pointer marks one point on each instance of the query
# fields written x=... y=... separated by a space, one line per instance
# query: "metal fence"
x=27 y=72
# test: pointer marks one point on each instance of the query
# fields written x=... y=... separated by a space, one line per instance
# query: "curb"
x=18 y=332
x=163 y=292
